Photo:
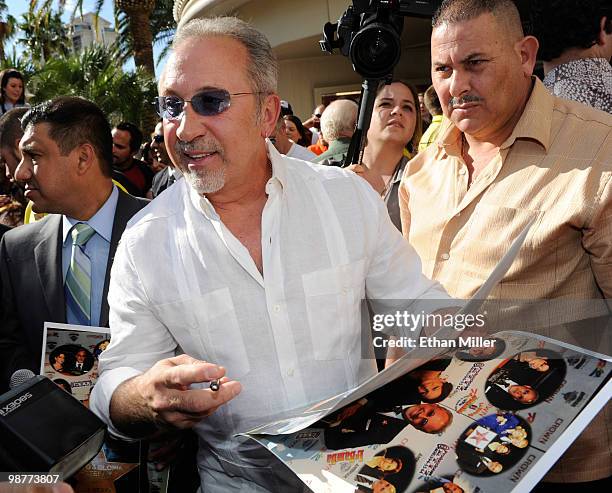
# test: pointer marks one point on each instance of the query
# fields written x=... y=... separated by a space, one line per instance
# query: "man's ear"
x=527 y=49
x=87 y=158
x=605 y=30
x=270 y=110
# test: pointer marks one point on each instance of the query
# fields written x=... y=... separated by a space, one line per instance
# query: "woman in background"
x=296 y=131
x=393 y=139
x=12 y=90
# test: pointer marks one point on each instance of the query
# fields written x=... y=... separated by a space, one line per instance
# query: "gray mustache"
x=210 y=146
x=462 y=100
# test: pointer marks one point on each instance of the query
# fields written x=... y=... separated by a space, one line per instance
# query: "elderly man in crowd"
x=338 y=125
x=254 y=266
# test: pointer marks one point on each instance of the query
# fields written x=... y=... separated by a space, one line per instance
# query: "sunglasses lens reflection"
x=205 y=103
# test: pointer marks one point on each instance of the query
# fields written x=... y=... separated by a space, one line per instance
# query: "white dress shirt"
x=300 y=152
x=181 y=281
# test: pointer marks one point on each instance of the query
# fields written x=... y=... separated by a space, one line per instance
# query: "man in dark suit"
x=66 y=168
x=164 y=179
x=364 y=425
x=167 y=176
x=82 y=364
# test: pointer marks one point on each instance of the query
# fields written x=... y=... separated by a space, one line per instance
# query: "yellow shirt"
x=556 y=168
x=432 y=132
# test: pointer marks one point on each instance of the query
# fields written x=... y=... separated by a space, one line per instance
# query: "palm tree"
x=44 y=33
x=7 y=28
x=137 y=27
x=162 y=24
x=95 y=75
x=138 y=13
x=20 y=63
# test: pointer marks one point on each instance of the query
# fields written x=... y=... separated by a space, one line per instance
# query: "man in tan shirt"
x=508 y=153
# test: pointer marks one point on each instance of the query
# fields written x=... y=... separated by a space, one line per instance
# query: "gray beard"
x=207 y=182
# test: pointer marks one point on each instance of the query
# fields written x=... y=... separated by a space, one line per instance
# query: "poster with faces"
x=70 y=359
x=467 y=421
x=70 y=356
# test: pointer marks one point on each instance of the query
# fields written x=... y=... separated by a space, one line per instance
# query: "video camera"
x=369 y=33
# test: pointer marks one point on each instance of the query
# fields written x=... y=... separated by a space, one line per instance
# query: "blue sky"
x=18 y=7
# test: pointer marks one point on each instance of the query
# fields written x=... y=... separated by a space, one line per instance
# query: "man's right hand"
x=163 y=395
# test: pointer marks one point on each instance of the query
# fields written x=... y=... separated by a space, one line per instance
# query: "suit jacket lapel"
x=48 y=258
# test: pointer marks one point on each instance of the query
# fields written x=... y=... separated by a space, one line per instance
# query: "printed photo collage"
x=472 y=420
x=70 y=360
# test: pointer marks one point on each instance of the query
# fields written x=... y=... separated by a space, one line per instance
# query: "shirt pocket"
x=206 y=327
x=333 y=298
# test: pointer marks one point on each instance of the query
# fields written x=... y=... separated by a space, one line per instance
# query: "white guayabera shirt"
x=182 y=282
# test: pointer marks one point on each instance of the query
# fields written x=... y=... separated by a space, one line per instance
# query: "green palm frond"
x=95 y=75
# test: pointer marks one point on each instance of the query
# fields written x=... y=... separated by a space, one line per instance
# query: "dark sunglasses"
x=158 y=139
x=206 y=103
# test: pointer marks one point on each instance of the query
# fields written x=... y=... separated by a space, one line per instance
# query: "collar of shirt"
x=399 y=170
x=277 y=181
x=535 y=123
x=102 y=221
x=172 y=171
x=339 y=145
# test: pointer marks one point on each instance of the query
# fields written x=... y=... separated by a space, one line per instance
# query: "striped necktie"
x=78 y=278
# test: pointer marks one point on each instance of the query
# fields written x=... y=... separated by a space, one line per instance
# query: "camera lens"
x=375 y=50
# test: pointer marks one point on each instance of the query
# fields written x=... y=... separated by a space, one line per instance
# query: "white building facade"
x=90 y=29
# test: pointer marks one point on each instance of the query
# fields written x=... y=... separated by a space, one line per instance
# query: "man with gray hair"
x=235 y=297
x=337 y=126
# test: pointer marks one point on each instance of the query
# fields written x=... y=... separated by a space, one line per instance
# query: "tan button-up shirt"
x=556 y=168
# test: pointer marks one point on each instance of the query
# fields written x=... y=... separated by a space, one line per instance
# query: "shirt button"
x=345 y=290
x=445 y=256
x=458 y=214
x=276 y=308
x=290 y=372
x=462 y=171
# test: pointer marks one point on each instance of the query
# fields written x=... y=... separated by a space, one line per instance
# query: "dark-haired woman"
x=296 y=131
x=12 y=90
x=393 y=138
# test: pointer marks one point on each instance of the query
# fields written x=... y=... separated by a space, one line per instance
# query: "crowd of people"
x=249 y=264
